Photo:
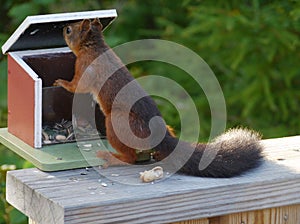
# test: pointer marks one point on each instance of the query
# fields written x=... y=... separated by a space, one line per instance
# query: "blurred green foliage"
x=252 y=46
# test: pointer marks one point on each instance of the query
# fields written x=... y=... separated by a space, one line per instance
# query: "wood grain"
x=280 y=215
x=198 y=221
x=79 y=196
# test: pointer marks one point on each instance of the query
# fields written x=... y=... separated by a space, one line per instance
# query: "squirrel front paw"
x=65 y=84
x=59 y=82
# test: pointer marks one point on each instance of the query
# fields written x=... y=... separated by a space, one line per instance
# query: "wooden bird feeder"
x=37 y=55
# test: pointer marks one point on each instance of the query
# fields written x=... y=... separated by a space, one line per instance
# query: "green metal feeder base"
x=59 y=156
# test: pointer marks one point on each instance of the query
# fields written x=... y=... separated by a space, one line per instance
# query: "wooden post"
x=280 y=215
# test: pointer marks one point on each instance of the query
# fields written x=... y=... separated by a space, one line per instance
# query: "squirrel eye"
x=68 y=30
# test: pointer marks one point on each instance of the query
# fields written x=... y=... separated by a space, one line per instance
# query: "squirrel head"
x=83 y=33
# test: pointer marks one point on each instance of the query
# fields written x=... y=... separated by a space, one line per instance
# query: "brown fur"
x=238 y=150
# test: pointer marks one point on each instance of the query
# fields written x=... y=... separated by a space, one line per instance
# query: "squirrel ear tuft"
x=96 y=22
x=85 y=25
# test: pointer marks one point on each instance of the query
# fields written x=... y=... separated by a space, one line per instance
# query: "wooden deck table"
x=268 y=194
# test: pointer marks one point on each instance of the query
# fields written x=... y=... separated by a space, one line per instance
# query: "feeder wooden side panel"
x=22 y=103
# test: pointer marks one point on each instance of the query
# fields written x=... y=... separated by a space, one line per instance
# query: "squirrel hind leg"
x=124 y=155
x=114 y=159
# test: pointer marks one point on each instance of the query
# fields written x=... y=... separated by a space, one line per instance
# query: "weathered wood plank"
x=32 y=203
x=78 y=196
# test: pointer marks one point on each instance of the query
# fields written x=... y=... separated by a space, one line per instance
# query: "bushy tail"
x=230 y=154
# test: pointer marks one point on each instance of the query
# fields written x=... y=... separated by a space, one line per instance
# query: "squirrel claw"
x=58 y=82
x=105 y=156
x=105 y=165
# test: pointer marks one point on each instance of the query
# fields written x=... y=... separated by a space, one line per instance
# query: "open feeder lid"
x=46 y=31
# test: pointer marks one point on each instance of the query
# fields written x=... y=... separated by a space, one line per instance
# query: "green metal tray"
x=56 y=157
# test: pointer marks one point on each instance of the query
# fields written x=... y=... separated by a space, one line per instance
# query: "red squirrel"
x=237 y=150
